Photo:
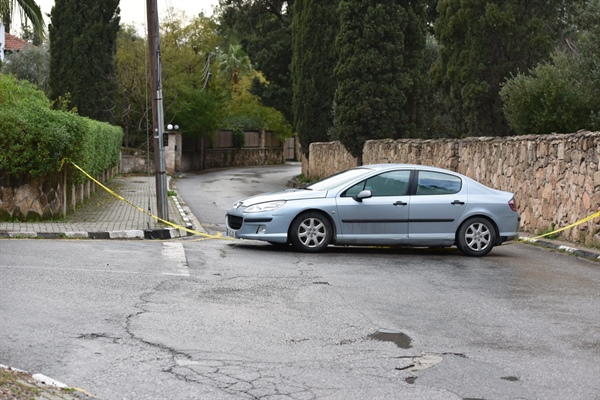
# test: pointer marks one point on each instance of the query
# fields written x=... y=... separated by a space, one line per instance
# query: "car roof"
x=381 y=167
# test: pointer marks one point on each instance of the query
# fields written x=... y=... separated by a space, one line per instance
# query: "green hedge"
x=34 y=139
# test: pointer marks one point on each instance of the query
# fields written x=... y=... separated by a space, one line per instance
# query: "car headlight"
x=268 y=206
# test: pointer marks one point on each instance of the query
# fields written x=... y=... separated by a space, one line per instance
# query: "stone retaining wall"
x=220 y=158
x=45 y=198
x=555 y=178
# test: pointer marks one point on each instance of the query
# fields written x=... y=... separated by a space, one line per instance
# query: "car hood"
x=288 y=195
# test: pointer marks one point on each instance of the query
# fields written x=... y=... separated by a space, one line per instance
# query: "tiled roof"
x=13 y=43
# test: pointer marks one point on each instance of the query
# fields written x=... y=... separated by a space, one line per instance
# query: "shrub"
x=554 y=97
x=35 y=140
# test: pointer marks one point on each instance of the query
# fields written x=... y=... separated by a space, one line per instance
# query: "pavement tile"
x=104 y=216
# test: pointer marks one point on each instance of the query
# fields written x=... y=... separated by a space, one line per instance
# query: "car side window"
x=392 y=183
x=432 y=183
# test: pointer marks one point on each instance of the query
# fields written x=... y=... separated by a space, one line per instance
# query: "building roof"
x=13 y=43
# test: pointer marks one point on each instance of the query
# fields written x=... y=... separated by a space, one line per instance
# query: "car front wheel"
x=310 y=232
x=476 y=237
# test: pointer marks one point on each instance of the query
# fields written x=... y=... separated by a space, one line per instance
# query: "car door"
x=381 y=218
x=438 y=202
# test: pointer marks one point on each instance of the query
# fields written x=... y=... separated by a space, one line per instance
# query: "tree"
x=379 y=45
x=482 y=44
x=29 y=11
x=246 y=112
x=550 y=98
x=132 y=107
x=83 y=39
x=589 y=47
x=32 y=63
x=189 y=50
x=263 y=28
x=234 y=63
x=560 y=95
x=314 y=29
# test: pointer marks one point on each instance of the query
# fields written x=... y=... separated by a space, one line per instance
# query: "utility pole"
x=157 y=110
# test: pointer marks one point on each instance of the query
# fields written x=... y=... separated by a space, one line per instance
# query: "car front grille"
x=234 y=222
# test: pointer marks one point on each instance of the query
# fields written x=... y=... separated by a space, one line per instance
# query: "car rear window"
x=433 y=183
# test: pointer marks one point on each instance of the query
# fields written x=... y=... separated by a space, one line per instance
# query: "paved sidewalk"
x=104 y=216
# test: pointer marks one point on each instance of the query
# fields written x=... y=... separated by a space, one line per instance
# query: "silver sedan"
x=387 y=205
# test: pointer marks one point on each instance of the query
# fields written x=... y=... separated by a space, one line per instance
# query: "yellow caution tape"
x=118 y=196
x=220 y=236
x=581 y=221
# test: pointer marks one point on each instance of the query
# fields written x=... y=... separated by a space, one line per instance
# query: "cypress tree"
x=379 y=71
x=314 y=29
x=83 y=37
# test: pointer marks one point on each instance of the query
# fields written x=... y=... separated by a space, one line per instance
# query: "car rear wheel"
x=310 y=232
x=476 y=237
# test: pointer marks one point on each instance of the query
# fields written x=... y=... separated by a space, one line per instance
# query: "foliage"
x=131 y=103
x=589 y=50
x=199 y=112
x=557 y=96
x=238 y=136
x=549 y=99
x=379 y=48
x=482 y=44
x=29 y=11
x=263 y=28
x=199 y=93
x=192 y=100
x=32 y=63
x=83 y=37
x=36 y=138
x=246 y=111
x=188 y=48
x=314 y=29
x=233 y=64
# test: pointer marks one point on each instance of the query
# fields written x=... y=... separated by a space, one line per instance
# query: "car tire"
x=310 y=232
x=476 y=237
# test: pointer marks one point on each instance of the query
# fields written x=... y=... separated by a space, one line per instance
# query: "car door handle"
x=458 y=203
x=400 y=203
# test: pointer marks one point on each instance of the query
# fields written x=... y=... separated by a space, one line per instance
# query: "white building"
x=2 y=40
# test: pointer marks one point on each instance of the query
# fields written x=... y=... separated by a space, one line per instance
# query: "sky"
x=134 y=11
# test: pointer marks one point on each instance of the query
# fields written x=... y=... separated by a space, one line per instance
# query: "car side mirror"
x=364 y=194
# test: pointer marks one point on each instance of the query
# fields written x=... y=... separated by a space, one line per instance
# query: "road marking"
x=174 y=254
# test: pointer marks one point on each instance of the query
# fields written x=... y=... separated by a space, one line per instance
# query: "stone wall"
x=327 y=159
x=555 y=178
x=137 y=162
x=219 y=158
x=44 y=198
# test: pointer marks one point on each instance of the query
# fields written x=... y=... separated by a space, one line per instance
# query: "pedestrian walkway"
x=104 y=216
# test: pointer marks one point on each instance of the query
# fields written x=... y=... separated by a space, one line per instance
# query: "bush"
x=35 y=139
x=551 y=99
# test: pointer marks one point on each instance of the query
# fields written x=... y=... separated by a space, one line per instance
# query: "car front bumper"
x=260 y=226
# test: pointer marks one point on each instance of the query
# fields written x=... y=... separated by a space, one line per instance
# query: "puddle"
x=400 y=339
x=510 y=378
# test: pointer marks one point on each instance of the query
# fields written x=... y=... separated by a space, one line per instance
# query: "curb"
x=169 y=233
x=571 y=250
x=43 y=387
x=162 y=234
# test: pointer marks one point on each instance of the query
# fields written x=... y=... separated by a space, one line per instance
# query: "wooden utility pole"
x=157 y=110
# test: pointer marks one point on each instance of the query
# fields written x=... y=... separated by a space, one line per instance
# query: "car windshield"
x=338 y=179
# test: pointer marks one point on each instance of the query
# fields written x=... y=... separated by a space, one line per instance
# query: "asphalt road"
x=217 y=319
